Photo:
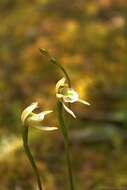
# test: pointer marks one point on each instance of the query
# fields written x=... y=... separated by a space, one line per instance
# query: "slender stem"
x=29 y=155
x=54 y=61
x=66 y=142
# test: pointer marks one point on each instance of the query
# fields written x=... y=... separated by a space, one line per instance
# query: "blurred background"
x=89 y=38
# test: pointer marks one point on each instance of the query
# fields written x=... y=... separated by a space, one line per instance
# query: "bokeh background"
x=89 y=38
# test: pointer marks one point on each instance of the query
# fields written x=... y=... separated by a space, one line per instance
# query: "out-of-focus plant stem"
x=66 y=142
x=29 y=155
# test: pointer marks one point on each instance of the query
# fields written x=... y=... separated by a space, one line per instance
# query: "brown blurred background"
x=89 y=38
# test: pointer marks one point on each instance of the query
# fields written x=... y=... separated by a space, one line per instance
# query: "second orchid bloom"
x=67 y=95
x=31 y=119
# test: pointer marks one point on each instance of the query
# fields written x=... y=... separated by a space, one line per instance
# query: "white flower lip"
x=71 y=96
x=67 y=95
x=40 y=116
x=35 y=120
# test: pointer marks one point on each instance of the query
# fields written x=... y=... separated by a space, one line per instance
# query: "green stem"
x=66 y=142
x=54 y=61
x=29 y=155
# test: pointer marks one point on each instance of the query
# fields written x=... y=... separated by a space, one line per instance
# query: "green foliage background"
x=89 y=38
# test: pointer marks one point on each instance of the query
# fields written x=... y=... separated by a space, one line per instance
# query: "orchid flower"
x=67 y=95
x=31 y=119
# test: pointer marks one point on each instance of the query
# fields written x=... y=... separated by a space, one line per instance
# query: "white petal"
x=59 y=95
x=49 y=128
x=60 y=83
x=36 y=117
x=70 y=96
x=28 y=110
x=46 y=112
x=45 y=128
x=40 y=116
x=68 y=110
x=84 y=102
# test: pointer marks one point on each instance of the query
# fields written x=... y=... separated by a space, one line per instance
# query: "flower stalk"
x=66 y=142
x=25 y=130
x=31 y=119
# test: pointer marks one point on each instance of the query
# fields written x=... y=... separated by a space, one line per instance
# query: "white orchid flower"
x=35 y=120
x=67 y=95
